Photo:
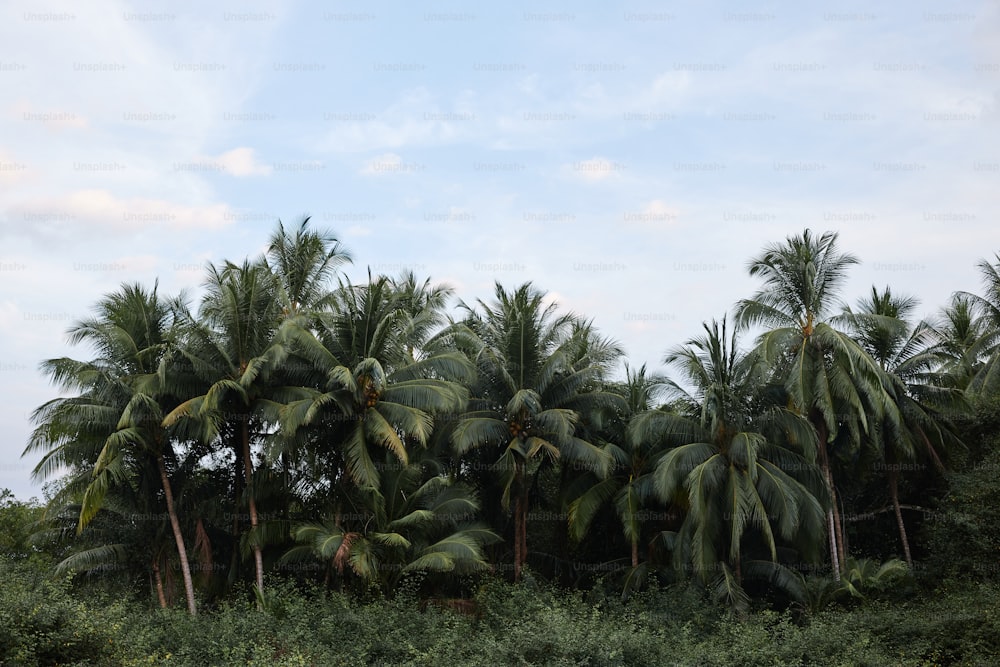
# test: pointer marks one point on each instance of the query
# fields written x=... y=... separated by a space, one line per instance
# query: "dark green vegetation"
x=305 y=471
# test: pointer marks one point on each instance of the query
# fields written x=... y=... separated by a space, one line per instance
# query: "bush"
x=42 y=624
x=964 y=535
x=954 y=625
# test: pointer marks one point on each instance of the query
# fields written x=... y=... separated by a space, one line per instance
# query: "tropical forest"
x=293 y=469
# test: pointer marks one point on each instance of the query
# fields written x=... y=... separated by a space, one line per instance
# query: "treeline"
x=357 y=437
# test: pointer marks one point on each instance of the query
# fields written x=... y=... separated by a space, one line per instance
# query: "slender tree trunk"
x=517 y=537
x=832 y=515
x=635 y=553
x=841 y=537
x=178 y=536
x=159 y=584
x=286 y=474
x=562 y=536
x=238 y=482
x=524 y=528
x=894 y=493
x=203 y=553
x=258 y=555
x=834 y=559
x=520 y=515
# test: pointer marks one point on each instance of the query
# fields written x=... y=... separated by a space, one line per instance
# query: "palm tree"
x=537 y=376
x=735 y=459
x=826 y=376
x=629 y=484
x=986 y=380
x=964 y=339
x=990 y=303
x=906 y=355
x=304 y=263
x=121 y=406
x=378 y=377
x=414 y=521
x=813 y=594
x=231 y=351
x=119 y=539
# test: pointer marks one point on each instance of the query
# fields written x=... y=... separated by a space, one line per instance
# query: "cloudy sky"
x=627 y=158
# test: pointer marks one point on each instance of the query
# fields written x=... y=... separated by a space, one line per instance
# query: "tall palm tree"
x=986 y=380
x=121 y=406
x=989 y=302
x=629 y=484
x=963 y=341
x=378 y=376
x=536 y=379
x=827 y=377
x=735 y=459
x=907 y=357
x=304 y=263
x=122 y=539
x=231 y=351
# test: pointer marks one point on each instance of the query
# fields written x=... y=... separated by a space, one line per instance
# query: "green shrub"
x=964 y=533
x=954 y=625
x=42 y=624
x=45 y=624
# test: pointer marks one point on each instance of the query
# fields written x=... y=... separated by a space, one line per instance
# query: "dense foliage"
x=514 y=625
x=334 y=454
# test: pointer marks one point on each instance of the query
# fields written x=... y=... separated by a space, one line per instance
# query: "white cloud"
x=139 y=263
x=550 y=298
x=415 y=119
x=381 y=165
x=374 y=135
x=52 y=119
x=87 y=211
x=12 y=170
x=664 y=91
x=357 y=230
x=237 y=162
x=654 y=214
x=596 y=169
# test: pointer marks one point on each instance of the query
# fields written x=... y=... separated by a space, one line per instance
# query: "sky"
x=628 y=158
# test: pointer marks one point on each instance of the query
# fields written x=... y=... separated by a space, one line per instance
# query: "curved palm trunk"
x=839 y=526
x=524 y=529
x=286 y=475
x=520 y=520
x=834 y=558
x=203 y=552
x=517 y=538
x=239 y=479
x=178 y=537
x=635 y=553
x=894 y=493
x=832 y=515
x=258 y=556
x=158 y=581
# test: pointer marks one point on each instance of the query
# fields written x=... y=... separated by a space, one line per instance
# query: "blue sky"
x=629 y=159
